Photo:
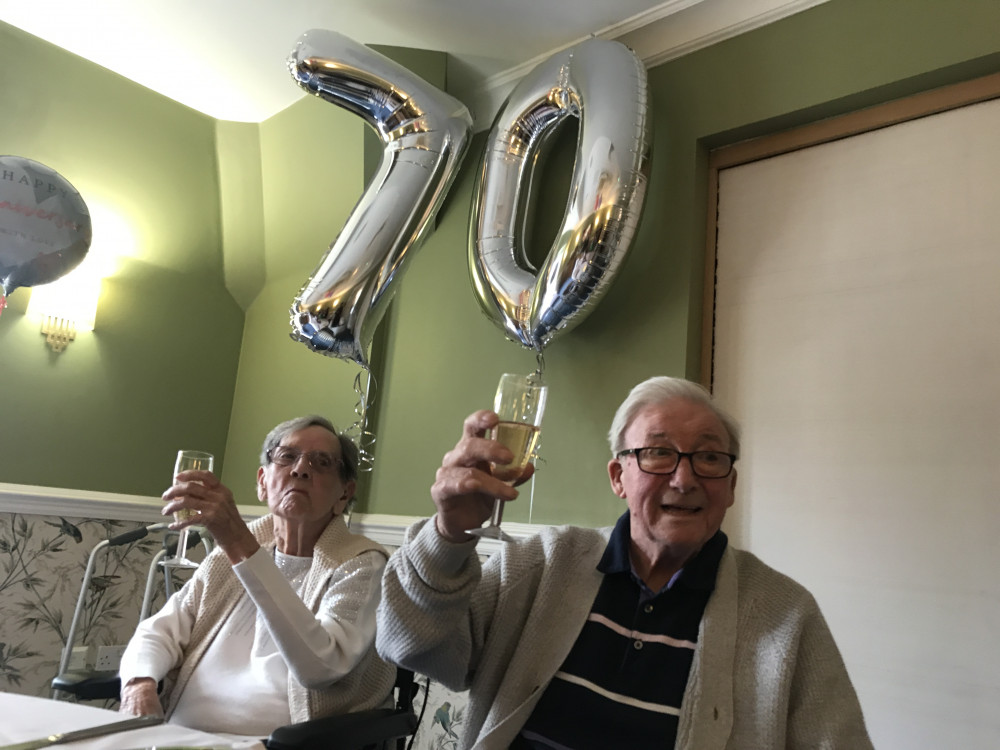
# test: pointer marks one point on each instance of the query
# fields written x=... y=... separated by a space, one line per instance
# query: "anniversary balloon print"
x=45 y=227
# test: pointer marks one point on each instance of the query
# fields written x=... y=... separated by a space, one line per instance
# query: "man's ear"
x=615 y=475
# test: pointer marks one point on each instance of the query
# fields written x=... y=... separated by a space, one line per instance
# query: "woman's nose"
x=301 y=466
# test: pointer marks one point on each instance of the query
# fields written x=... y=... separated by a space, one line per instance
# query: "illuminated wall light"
x=114 y=240
x=65 y=307
x=69 y=305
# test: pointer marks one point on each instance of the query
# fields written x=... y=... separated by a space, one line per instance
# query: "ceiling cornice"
x=666 y=32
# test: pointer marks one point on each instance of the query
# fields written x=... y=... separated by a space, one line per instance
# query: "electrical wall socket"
x=80 y=658
x=108 y=658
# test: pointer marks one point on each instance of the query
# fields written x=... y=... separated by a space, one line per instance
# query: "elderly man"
x=654 y=633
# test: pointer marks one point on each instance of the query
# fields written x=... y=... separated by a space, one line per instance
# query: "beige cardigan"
x=214 y=591
x=766 y=672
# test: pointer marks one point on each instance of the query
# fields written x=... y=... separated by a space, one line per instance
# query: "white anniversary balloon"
x=45 y=229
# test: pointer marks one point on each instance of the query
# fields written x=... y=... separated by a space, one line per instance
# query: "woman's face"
x=309 y=489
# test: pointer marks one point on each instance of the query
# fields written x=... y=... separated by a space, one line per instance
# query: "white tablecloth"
x=23 y=717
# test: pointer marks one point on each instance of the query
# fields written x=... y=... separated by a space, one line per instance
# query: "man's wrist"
x=460 y=538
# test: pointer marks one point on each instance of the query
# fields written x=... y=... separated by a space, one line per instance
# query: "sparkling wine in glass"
x=520 y=403
x=187 y=461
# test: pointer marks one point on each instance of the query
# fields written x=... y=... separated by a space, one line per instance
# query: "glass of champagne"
x=187 y=461
x=520 y=403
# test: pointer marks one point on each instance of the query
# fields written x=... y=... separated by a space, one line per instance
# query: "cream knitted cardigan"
x=766 y=672
x=214 y=591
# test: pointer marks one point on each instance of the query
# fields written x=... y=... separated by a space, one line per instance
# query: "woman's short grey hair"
x=658 y=390
x=349 y=453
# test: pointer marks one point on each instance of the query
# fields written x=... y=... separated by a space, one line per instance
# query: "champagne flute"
x=187 y=461
x=520 y=403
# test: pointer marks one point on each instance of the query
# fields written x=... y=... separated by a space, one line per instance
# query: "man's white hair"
x=657 y=390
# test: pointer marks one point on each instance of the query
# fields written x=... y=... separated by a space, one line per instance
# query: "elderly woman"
x=277 y=625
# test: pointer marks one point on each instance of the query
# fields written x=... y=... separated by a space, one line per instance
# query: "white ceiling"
x=226 y=58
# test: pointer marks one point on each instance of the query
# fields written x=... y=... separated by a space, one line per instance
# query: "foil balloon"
x=45 y=229
x=603 y=84
x=426 y=133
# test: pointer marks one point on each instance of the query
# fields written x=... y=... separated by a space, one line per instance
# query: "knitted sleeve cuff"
x=435 y=559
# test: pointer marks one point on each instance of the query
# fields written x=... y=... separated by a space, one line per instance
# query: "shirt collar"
x=699 y=573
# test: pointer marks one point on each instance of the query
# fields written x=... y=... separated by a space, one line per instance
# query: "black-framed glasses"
x=321 y=461
x=660 y=460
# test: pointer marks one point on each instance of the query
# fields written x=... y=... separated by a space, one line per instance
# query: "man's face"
x=299 y=492
x=673 y=515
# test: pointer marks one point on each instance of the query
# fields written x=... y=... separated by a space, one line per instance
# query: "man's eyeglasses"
x=321 y=461
x=705 y=464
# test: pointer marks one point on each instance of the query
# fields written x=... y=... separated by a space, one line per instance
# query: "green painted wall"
x=160 y=371
x=445 y=357
x=157 y=374
x=241 y=196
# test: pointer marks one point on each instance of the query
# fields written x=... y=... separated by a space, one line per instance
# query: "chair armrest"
x=89 y=685
x=344 y=732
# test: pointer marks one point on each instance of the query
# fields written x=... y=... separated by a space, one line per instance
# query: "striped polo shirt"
x=622 y=684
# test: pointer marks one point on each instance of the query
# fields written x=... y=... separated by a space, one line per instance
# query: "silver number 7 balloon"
x=603 y=84
x=426 y=133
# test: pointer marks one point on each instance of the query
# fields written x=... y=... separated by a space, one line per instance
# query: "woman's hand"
x=464 y=489
x=139 y=698
x=215 y=509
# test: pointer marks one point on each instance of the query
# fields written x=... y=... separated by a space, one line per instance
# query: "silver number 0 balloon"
x=426 y=133
x=603 y=84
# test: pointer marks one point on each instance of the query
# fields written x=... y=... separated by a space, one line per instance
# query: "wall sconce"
x=65 y=307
